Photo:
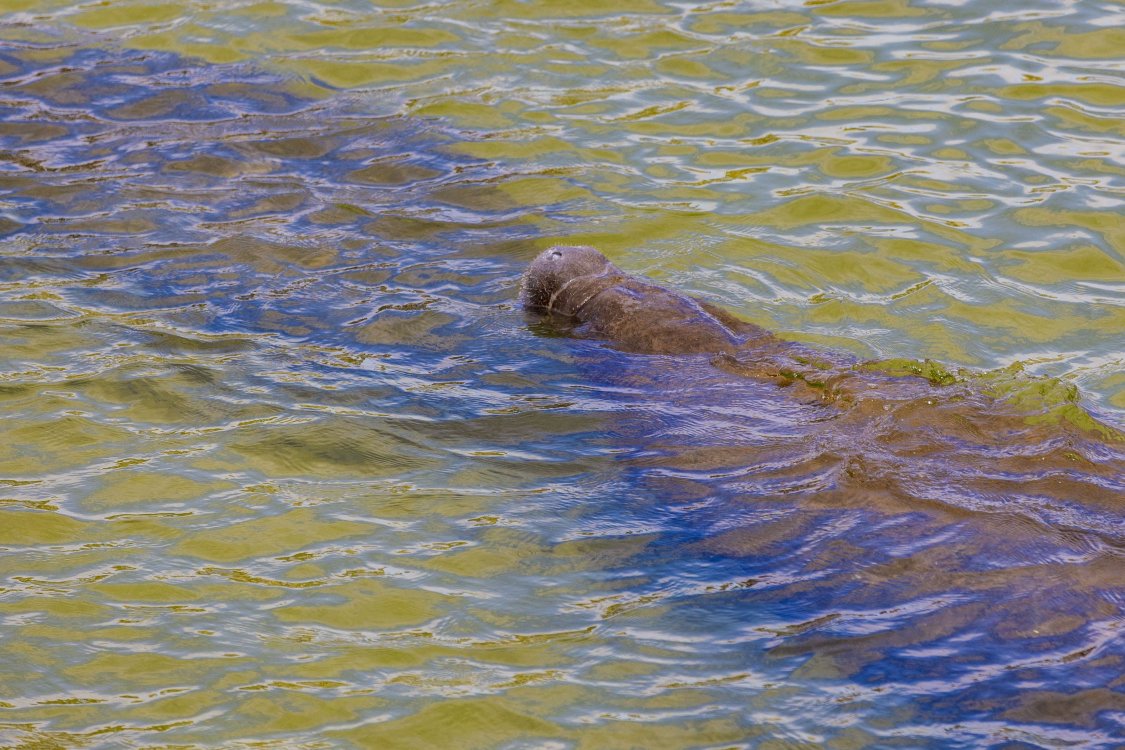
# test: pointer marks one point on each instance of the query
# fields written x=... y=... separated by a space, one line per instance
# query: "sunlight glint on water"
x=283 y=462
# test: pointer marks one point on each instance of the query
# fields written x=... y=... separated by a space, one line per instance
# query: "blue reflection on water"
x=374 y=270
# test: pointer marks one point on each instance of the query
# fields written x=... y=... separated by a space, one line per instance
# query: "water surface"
x=285 y=465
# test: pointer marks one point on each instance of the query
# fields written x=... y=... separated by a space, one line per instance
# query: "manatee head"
x=556 y=269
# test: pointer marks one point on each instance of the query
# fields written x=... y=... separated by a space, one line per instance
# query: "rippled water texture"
x=284 y=465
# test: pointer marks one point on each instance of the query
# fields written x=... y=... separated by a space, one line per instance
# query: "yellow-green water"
x=284 y=465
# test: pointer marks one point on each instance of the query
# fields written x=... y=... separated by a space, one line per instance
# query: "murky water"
x=284 y=465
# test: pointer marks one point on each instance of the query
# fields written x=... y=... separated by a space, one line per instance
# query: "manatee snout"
x=556 y=268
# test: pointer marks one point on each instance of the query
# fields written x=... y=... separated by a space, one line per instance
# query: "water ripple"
x=284 y=464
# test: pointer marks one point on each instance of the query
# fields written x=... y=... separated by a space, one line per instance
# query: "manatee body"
x=578 y=287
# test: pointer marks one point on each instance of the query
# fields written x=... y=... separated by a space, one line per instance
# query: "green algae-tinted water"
x=284 y=465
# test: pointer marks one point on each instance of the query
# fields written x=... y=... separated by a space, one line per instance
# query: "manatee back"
x=642 y=317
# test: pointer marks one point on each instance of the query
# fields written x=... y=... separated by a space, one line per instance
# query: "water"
x=284 y=464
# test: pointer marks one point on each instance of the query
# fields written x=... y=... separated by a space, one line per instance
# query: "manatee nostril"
x=556 y=253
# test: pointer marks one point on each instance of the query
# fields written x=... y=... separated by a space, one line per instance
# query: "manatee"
x=578 y=289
